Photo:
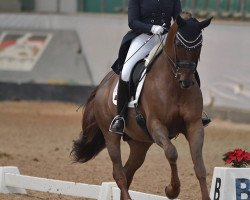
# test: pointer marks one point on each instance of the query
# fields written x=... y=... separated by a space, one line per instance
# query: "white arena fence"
x=12 y=182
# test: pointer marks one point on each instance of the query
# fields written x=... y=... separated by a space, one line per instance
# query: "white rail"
x=52 y=186
x=137 y=195
x=12 y=182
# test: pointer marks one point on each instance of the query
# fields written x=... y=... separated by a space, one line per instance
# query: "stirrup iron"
x=115 y=129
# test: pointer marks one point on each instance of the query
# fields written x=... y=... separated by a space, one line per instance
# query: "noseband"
x=184 y=64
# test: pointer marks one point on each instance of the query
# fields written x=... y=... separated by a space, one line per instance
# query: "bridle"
x=183 y=64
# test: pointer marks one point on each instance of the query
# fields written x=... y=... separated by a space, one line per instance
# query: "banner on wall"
x=20 y=51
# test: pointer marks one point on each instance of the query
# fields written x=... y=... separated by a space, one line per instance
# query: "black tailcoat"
x=142 y=15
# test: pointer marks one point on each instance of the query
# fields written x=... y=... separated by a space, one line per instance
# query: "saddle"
x=141 y=69
x=137 y=75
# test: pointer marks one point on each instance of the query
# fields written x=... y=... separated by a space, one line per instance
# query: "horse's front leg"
x=195 y=138
x=160 y=134
x=114 y=150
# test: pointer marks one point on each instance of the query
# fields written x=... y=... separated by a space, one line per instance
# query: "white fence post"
x=5 y=189
x=106 y=191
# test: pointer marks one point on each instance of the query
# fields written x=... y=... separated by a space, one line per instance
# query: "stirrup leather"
x=119 y=130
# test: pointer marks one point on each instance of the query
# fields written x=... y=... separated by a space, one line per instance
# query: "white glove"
x=157 y=30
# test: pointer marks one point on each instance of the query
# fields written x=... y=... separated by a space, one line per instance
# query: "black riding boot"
x=205 y=119
x=118 y=123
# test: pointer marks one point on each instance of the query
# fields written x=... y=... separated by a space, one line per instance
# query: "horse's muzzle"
x=185 y=84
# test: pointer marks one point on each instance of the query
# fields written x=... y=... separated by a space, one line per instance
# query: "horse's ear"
x=180 y=21
x=205 y=23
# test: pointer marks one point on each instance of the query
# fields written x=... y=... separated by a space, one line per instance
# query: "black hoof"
x=172 y=193
x=206 y=121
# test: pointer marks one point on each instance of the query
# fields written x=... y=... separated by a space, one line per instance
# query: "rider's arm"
x=134 y=18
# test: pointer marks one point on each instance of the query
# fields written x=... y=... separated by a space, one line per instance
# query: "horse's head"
x=184 y=46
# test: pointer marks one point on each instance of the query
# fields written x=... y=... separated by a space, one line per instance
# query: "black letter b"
x=217 y=189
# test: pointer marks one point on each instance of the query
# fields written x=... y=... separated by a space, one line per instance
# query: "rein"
x=139 y=48
x=174 y=67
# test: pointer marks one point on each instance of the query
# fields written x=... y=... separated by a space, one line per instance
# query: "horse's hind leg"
x=138 y=151
x=113 y=146
x=160 y=135
x=195 y=138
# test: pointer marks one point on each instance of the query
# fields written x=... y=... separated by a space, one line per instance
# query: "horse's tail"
x=91 y=140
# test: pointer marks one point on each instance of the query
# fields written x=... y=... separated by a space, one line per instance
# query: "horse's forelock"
x=186 y=15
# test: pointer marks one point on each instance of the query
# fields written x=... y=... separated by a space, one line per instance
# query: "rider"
x=145 y=18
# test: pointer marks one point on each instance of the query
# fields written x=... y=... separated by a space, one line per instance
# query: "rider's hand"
x=157 y=30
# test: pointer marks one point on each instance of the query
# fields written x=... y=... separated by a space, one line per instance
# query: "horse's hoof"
x=171 y=192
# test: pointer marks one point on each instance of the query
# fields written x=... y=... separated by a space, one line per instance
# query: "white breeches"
x=136 y=43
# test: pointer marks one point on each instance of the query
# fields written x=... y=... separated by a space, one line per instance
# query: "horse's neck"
x=167 y=71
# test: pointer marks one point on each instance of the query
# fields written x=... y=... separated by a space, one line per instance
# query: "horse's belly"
x=136 y=132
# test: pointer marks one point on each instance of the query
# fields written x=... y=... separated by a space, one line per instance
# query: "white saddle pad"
x=137 y=95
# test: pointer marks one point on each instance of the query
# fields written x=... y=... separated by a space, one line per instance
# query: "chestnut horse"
x=171 y=102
